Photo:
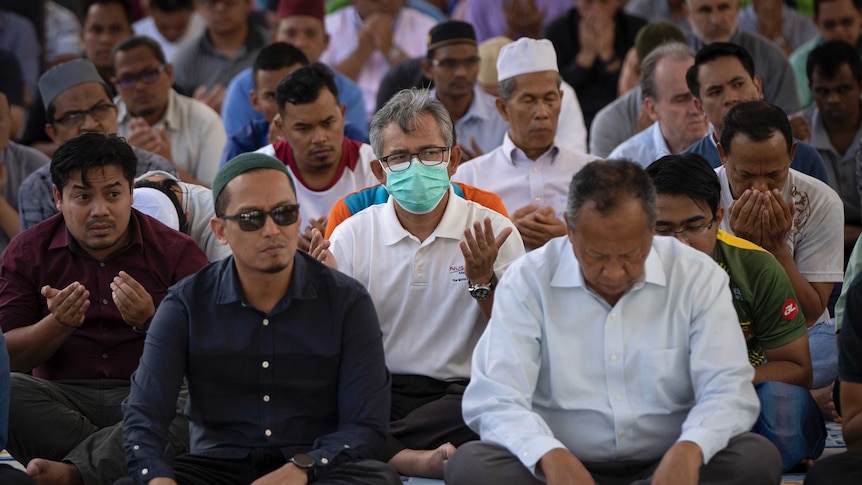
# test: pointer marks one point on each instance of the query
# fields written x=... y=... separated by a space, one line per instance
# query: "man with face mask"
x=431 y=261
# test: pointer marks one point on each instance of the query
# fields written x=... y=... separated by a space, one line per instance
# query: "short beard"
x=146 y=112
x=276 y=268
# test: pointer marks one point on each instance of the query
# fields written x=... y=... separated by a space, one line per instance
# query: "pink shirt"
x=410 y=36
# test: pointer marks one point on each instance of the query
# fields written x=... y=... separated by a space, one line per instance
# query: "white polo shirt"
x=430 y=322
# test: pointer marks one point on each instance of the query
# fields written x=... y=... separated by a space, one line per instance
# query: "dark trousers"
x=12 y=476
x=748 y=459
x=841 y=469
x=425 y=414
x=199 y=470
x=77 y=422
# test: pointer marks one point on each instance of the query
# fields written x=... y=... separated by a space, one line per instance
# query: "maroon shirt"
x=104 y=347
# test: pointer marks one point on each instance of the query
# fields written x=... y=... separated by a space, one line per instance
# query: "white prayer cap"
x=154 y=203
x=524 y=56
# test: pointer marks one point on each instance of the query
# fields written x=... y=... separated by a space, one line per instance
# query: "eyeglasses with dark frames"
x=128 y=81
x=688 y=233
x=72 y=119
x=284 y=215
x=428 y=156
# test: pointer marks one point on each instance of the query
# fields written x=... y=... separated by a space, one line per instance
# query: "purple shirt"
x=488 y=20
x=104 y=347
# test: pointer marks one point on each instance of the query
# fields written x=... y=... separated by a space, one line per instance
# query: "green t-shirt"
x=762 y=295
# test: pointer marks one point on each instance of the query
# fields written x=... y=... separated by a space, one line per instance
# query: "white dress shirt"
x=195 y=131
x=410 y=35
x=643 y=148
x=558 y=367
x=816 y=238
x=520 y=181
x=430 y=322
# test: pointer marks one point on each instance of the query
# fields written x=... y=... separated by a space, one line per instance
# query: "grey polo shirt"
x=842 y=171
x=200 y=64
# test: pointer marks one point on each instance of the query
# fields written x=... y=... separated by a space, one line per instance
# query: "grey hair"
x=607 y=182
x=507 y=86
x=669 y=50
x=405 y=109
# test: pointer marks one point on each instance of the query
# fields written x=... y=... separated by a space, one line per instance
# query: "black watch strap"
x=143 y=330
x=307 y=463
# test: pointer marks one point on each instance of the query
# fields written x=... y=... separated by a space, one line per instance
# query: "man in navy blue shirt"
x=283 y=356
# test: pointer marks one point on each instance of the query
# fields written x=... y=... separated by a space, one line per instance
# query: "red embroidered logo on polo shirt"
x=790 y=309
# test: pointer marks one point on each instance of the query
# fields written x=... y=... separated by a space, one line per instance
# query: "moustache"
x=101 y=222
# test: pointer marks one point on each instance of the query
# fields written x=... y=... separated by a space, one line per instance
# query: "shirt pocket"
x=665 y=379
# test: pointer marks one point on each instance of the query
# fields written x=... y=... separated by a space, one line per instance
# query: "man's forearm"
x=851 y=234
x=162 y=481
x=352 y=65
x=561 y=467
x=33 y=345
x=485 y=306
x=783 y=371
x=810 y=303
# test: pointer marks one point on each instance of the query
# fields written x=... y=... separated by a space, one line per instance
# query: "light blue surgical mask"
x=419 y=188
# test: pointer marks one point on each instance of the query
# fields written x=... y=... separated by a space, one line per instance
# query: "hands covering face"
x=763 y=218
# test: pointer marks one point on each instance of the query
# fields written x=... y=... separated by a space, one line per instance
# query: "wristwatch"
x=482 y=291
x=305 y=462
x=143 y=330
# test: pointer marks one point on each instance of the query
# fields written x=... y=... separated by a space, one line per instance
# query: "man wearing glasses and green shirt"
x=430 y=261
x=688 y=195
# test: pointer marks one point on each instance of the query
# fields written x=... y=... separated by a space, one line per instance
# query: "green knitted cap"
x=241 y=164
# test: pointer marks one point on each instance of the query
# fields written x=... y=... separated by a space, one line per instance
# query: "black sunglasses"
x=254 y=220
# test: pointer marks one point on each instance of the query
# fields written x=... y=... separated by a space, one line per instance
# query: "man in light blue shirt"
x=678 y=121
x=299 y=24
x=613 y=357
